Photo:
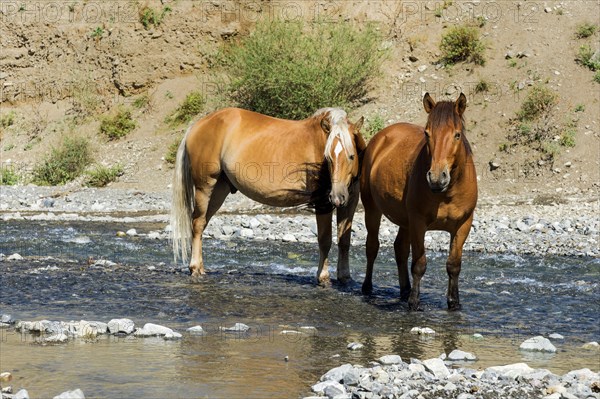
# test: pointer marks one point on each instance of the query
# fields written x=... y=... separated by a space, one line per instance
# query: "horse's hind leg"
x=372 y=222
x=453 y=264
x=324 y=238
x=207 y=202
x=401 y=251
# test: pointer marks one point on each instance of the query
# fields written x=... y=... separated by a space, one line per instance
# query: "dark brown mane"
x=442 y=114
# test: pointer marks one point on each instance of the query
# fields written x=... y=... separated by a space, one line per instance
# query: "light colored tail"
x=182 y=205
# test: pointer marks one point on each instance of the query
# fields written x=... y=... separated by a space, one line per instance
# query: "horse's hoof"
x=454 y=306
x=345 y=281
x=404 y=295
x=367 y=289
x=325 y=283
x=413 y=306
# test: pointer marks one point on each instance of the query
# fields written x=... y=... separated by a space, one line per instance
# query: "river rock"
x=288 y=238
x=15 y=256
x=6 y=318
x=337 y=373
x=322 y=386
x=512 y=371
x=390 y=359
x=591 y=345
x=152 y=330
x=422 y=331
x=75 y=394
x=458 y=355
x=237 y=327
x=355 y=346
x=5 y=377
x=116 y=326
x=196 y=330
x=57 y=338
x=131 y=232
x=538 y=343
x=22 y=394
x=555 y=336
x=437 y=368
x=172 y=336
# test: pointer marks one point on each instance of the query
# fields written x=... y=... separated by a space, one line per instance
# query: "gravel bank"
x=537 y=225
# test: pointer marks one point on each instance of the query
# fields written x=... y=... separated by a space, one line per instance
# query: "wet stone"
x=538 y=343
x=116 y=326
x=75 y=394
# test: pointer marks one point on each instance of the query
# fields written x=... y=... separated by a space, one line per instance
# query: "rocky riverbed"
x=536 y=225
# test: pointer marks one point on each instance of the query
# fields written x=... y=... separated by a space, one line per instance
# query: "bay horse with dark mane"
x=421 y=179
x=277 y=162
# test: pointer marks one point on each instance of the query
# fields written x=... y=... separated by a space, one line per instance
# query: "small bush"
x=117 y=126
x=142 y=102
x=585 y=29
x=597 y=77
x=288 y=70
x=63 y=164
x=8 y=177
x=189 y=108
x=150 y=16
x=482 y=86
x=97 y=33
x=462 y=43
x=567 y=139
x=586 y=58
x=539 y=100
x=373 y=126
x=102 y=175
x=172 y=152
x=580 y=108
x=8 y=119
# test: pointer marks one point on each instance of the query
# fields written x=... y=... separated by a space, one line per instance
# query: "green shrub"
x=102 y=175
x=64 y=163
x=586 y=58
x=289 y=70
x=8 y=177
x=172 y=152
x=97 y=33
x=189 y=108
x=585 y=29
x=142 y=101
x=567 y=139
x=374 y=125
x=8 y=119
x=118 y=125
x=539 y=100
x=597 y=77
x=462 y=43
x=482 y=86
x=150 y=16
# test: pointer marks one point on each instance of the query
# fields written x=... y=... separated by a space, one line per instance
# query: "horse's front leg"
x=419 y=262
x=453 y=264
x=345 y=215
x=324 y=237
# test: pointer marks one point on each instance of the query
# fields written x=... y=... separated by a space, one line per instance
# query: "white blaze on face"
x=338 y=148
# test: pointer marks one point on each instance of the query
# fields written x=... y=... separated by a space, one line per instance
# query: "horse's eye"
x=427 y=135
x=351 y=157
x=457 y=136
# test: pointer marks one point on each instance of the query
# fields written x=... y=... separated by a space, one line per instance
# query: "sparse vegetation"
x=190 y=107
x=289 y=70
x=586 y=58
x=100 y=176
x=462 y=43
x=567 y=139
x=8 y=119
x=597 y=77
x=143 y=102
x=585 y=30
x=8 y=177
x=580 y=108
x=171 y=156
x=482 y=86
x=374 y=125
x=150 y=16
x=64 y=163
x=540 y=100
x=512 y=63
x=117 y=126
x=97 y=33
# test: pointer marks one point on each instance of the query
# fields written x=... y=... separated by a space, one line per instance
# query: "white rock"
x=57 y=338
x=477 y=336
x=14 y=256
x=390 y=359
x=238 y=327
x=422 y=68
x=321 y=386
x=511 y=370
x=538 y=343
x=197 y=330
x=131 y=232
x=591 y=345
x=154 y=235
x=437 y=367
x=457 y=355
x=172 y=336
x=121 y=325
x=422 y=331
x=288 y=238
x=290 y=332
x=76 y=394
x=152 y=330
x=336 y=374
x=556 y=336
x=355 y=346
x=22 y=394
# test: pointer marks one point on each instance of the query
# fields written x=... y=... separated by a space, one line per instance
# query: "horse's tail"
x=183 y=203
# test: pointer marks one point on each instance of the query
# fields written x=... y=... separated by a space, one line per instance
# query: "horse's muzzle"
x=338 y=197
x=439 y=182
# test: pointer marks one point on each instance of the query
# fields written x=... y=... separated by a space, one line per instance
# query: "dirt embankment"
x=63 y=65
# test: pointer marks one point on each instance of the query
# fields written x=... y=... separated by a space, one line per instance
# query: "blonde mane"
x=339 y=128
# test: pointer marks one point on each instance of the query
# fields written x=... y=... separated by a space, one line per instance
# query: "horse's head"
x=444 y=133
x=343 y=150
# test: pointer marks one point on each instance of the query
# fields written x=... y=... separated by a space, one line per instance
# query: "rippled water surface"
x=268 y=286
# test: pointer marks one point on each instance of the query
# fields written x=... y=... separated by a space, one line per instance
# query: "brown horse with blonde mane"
x=312 y=162
x=421 y=179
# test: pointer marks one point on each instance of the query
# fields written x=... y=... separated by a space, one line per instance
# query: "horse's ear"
x=326 y=125
x=359 y=124
x=428 y=103
x=461 y=104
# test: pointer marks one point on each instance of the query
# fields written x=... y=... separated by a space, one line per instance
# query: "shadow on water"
x=270 y=287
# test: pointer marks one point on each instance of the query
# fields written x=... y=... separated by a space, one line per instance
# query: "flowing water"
x=270 y=287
